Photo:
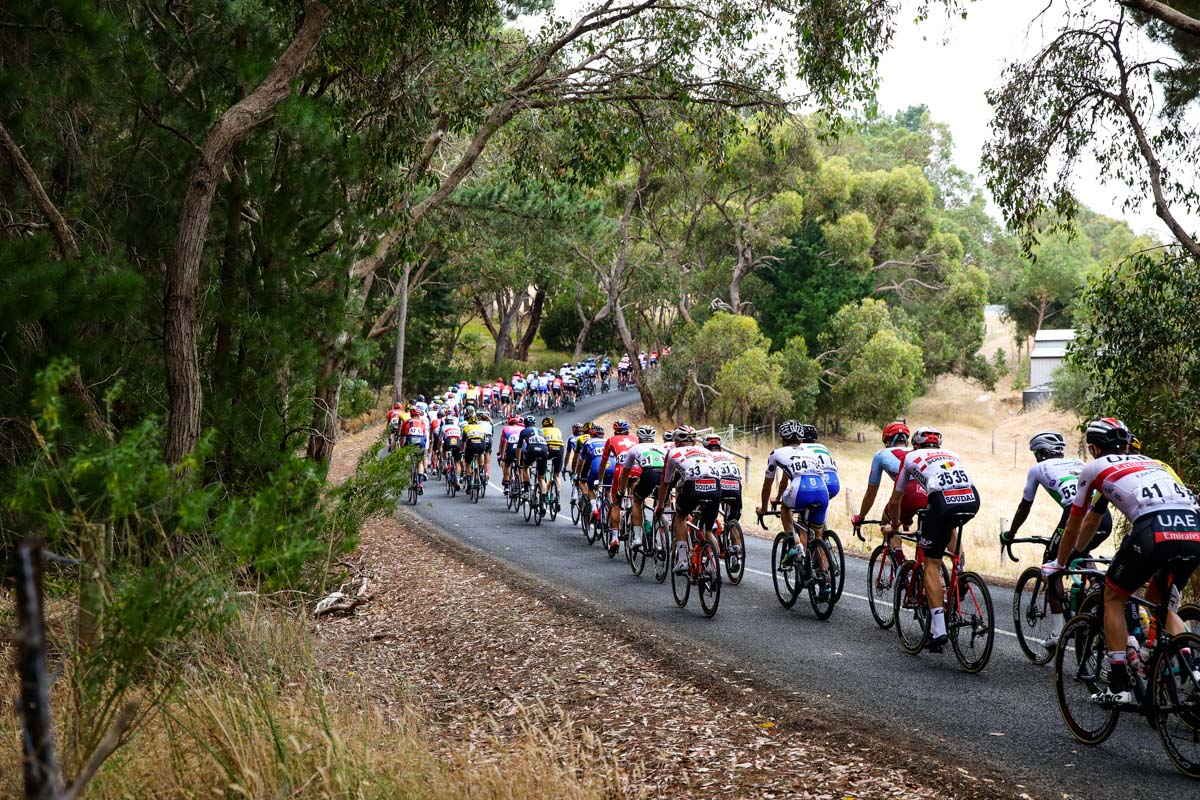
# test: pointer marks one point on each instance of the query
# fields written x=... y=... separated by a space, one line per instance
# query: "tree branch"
x=62 y=231
x=1164 y=13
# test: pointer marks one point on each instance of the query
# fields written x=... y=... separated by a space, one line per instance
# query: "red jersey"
x=615 y=446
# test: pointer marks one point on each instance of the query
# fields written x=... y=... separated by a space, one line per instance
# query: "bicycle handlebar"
x=1006 y=544
x=772 y=513
x=861 y=522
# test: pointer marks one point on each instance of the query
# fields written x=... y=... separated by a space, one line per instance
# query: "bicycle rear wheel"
x=552 y=502
x=1032 y=617
x=662 y=550
x=527 y=502
x=1175 y=693
x=1078 y=662
x=972 y=626
x=908 y=604
x=822 y=588
x=839 y=562
x=735 y=552
x=585 y=520
x=681 y=585
x=708 y=583
x=575 y=509
x=1190 y=614
x=787 y=583
x=881 y=576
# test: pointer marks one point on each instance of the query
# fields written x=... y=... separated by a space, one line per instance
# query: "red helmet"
x=414 y=413
x=396 y=404
x=514 y=421
x=893 y=430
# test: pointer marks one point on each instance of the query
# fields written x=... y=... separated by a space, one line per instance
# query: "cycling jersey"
x=1136 y=485
x=414 y=431
x=940 y=471
x=1058 y=476
x=474 y=432
x=794 y=460
x=451 y=436
x=700 y=490
x=828 y=467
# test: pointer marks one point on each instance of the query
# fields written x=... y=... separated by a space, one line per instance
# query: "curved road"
x=1004 y=718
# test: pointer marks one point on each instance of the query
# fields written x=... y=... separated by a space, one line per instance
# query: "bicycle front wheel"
x=681 y=585
x=735 y=552
x=575 y=511
x=1078 y=662
x=708 y=583
x=552 y=503
x=972 y=628
x=787 y=583
x=881 y=577
x=908 y=604
x=528 y=504
x=1032 y=617
x=1175 y=693
x=1190 y=614
x=662 y=550
x=822 y=588
x=838 y=564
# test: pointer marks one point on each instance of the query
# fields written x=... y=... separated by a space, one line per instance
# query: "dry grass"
x=253 y=718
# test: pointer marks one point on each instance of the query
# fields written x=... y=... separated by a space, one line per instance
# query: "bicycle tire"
x=662 y=550
x=585 y=519
x=681 y=585
x=908 y=604
x=881 y=577
x=482 y=484
x=1032 y=615
x=735 y=552
x=539 y=508
x=786 y=590
x=1190 y=614
x=839 y=561
x=575 y=512
x=1078 y=661
x=708 y=582
x=973 y=617
x=635 y=556
x=527 y=507
x=552 y=503
x=822 y=581
x=1175 y=695
x=449 y=488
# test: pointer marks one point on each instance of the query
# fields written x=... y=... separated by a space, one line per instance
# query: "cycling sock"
x=938 y=621
x=1056 y=623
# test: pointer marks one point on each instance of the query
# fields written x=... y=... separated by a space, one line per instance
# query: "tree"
x=800 y=377
x=1048 y=282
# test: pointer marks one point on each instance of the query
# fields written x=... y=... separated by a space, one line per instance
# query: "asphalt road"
x=1004 y=718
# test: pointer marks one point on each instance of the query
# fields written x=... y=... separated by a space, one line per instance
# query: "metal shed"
x=1049 y=348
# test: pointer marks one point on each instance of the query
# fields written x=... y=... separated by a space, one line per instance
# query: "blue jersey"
x=886 y=460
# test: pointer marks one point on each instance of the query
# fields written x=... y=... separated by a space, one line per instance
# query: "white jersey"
x=1058 y=476
x=795 y=460
x=936 y=469
x=1137 y=485
x=646 y=455
x=688 y=463
x=451 y=432
x=726 y=465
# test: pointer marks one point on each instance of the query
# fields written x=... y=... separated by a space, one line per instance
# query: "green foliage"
x=800 y=377
x=357 y=397
x=1141 y=363
x=750 y=386
x=870 y=367
x=561 y=325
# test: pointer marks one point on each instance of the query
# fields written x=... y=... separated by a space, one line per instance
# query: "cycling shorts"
x=731 y=496
x=1164 y=549
x=475 y=448
x=808 y=492
x=535 y=454
x=647 y=483
x=913 y=500
x=415 y=441
x=452 y=443
x=614 y=481
x=556 y=458
x=1102 y=532
x=510 y=454
x=591 y=471
x=701 y=496
x=947 y=510
x=833 y=484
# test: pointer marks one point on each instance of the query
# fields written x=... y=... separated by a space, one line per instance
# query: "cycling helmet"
x=548 y=422
x=668 y=435
x=414 y=413
x=514 y=420
x=712 y=441
x=685 y=433
x=808 y=433
x=927 y=437
x=1109 y=434
x=529 y=421
x=1135 y=445
x=646 y=433
x=1047 y=444
x=420 y=398
x=621 y=426
x=472 y=419
x=597 y=430
x=397 y=404
x=894 y=433
x=452 y=420
x=485 y=416
x=577 y=428
x=789 y=430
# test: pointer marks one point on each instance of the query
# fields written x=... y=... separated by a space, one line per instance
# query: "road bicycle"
x=553 y=498
x=1033 y=617
x=970 y=622
x=449 y=478
x=414 y=481
x=535 y=505
x=635 y=556
x=882 y=568
x=811 y=568
x=703 y=569
x=1165 y=682
x=733 y=545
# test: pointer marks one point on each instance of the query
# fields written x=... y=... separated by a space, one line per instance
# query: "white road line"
x=867 y=599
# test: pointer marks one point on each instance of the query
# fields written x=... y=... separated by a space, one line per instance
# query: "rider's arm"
x=1020 y=517
x=868 y=500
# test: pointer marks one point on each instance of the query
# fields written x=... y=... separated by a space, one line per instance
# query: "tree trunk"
x=588 y=322
x=180 y=298
x=535 y=319
x=401 y=331
x=323 y=437
x=639 y=377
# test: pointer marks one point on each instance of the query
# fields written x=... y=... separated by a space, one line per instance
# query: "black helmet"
x=529 y=420
x=577 y=428
x=808 y=433
x=1109 y=434
x=548 y=422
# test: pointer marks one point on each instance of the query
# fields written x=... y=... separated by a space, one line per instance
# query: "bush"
x=357 y=397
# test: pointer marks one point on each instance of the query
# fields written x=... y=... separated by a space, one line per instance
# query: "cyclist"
x=452 y=446
x=434 y=418
x=829 y=471
x=642 y=464
x=543 y=390
x=533 y=453
x=1162 y=548
x=556 y=445
x=506 y=452
x=730 y=474
x=421 y=405
x=801 y=486
x=415 y=432
x=475 y=436
x=569 y=450
x=690 y=471
x=1059 y=476
x=610 y=468
x=506 y=396
x=887 y=460
x=587 y=464
x=953 y=499
x=394 y=418
x=668 y=439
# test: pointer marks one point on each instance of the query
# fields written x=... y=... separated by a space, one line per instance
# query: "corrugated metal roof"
x=1049 y=350
x=1054 y=335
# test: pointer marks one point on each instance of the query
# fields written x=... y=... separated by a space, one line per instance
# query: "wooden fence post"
x=43 y=780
